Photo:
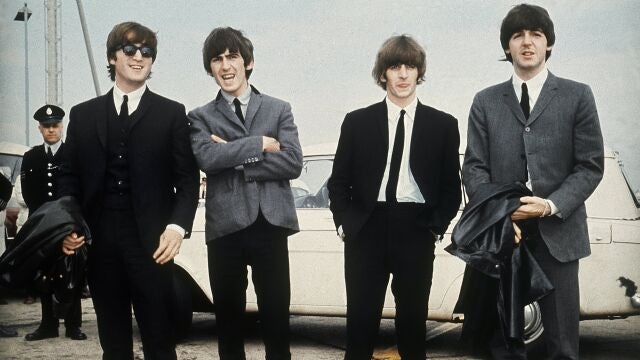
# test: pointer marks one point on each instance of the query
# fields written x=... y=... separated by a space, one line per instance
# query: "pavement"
x=316 y=338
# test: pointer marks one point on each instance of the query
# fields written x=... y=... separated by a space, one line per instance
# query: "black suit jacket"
x=361 y=158
x=38 y=176
x=164 y=177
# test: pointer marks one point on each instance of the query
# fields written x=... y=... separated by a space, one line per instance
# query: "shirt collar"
x=393 y=110
x=534 y=85
x=243 y=98
x=54 y=147
x=133 y=98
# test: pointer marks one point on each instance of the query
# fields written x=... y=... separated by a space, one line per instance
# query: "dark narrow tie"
x=524 y=101
x=124 y=108
x=396 y=159
x=49 y=153
x=524 y=104
x=236 y=103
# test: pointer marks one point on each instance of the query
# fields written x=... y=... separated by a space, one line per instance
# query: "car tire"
x=183 y=302
x=533 y=328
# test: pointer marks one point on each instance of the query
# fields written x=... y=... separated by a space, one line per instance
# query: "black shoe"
x=75 y=334
x=6 y=332
x=41 y=334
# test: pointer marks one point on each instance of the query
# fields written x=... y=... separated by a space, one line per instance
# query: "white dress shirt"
x=244 y=100
x=54 y=147
x=407 y=190
x=534 y=87
x=133 y=98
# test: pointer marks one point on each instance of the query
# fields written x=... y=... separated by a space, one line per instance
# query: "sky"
x=318 y=56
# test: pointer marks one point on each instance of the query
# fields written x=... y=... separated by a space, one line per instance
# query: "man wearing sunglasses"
x=129 y=164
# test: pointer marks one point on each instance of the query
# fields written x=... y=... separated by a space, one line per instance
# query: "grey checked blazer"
x=563 y=147
x=241 y=179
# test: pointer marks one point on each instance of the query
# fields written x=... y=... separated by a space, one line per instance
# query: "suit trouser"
x=72 y=319
x=391 y=242
x=122 y=273
x=263 y=247
x=560 y=309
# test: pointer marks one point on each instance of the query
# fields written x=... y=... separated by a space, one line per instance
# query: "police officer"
x=38 y=176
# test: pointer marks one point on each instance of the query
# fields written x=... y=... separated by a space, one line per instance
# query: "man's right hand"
x=71 y=242
x=270 y=144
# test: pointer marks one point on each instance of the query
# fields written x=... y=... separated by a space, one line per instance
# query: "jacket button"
x=527 y=129
x=50 y=194
x=49 y=174
x=49 y=184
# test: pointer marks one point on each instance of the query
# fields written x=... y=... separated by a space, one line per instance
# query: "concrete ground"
x=314 y=338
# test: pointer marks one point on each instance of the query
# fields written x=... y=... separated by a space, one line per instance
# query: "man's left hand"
x=532 y=207
x=169 y=247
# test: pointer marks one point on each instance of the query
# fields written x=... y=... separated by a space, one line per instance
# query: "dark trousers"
x=122 y=273
x=560 y=310
x=72 y=319
x=263 y=247
x=391 y=242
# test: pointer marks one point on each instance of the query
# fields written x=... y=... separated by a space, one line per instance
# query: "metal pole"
x=87 y=43
x=26 y=72
x=52 y=53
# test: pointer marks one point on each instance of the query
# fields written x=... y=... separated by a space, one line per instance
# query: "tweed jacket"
x=561 y=143
x=242 y=179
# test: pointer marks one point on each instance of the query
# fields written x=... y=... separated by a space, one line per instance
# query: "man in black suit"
x=128 y=162
x=38 y=175
x=394 y=188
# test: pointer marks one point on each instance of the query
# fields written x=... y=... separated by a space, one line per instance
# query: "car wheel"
x=533 y=328
x=183 y=305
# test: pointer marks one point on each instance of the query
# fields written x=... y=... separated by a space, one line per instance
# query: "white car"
x=317 y=261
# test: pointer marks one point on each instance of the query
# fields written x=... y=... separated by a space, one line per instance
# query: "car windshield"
x=310 y=189
x=10 y=166
x=635 y=191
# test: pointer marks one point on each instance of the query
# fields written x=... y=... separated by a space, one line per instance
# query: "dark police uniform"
x=38 y=176
x=40 y=168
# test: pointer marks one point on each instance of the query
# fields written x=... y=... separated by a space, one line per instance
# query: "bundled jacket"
x=484 y=239
x=36 y=255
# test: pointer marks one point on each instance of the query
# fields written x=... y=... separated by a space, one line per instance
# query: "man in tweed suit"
x=541 y=130
x=247 y=144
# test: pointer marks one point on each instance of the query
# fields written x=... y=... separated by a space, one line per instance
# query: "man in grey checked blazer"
x=557 y=150
x=247 y=144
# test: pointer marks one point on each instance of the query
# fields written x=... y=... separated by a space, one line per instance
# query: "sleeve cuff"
x=176 y=228
x=554 y=209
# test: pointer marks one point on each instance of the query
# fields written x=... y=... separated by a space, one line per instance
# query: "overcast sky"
x=318 y=56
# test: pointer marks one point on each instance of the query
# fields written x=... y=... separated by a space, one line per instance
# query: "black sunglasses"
x=130 y=50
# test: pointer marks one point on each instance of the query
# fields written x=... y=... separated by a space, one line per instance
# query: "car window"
x=310 y=189
x=10 y=166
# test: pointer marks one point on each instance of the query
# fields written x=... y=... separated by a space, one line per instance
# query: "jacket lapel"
x=548 y=92
x=382 y=124
x=101 y=117
x=511 y=100
x=145 y=102
x=419 y=124
x=252 y=108
x=223 y=107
